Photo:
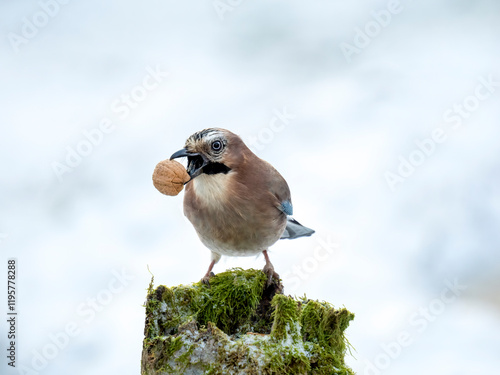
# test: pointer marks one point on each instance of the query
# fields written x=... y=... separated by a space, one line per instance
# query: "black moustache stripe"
x=215 y=168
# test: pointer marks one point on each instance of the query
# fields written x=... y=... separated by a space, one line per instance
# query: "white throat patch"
x=211 y=189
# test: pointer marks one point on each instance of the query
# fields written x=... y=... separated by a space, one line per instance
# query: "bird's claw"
x=269 y=271
x=206 y=279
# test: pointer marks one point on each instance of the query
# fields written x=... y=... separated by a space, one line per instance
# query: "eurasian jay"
x=238 y=203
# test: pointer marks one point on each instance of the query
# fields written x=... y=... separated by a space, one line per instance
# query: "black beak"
x=180 y=154
x=196 y=162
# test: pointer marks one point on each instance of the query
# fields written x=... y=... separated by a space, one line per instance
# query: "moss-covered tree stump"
x=238 y=325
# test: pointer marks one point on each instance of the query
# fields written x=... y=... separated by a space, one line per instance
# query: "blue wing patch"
x=287 y=207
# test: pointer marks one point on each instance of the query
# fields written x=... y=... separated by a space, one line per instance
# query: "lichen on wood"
x=239 y=325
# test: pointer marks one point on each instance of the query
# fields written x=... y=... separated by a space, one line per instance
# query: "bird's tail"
x=295 y=230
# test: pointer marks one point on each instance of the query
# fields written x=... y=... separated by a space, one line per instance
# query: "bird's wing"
x=279 y=188
x=295 y=230
x=286 y=207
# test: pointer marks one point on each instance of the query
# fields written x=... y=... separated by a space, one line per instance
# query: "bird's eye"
x=217 y=146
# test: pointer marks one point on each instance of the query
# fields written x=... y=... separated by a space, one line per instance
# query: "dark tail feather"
x=295 y=230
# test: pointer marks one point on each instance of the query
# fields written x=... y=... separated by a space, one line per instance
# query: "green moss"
x=163 y=349
x=285 y=318
x=231 y=299
x=239 y=325
x=324 y=326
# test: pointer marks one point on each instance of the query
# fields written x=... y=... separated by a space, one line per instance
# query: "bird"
x=238 y=203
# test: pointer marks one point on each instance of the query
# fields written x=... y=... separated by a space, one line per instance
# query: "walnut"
x=169 y=177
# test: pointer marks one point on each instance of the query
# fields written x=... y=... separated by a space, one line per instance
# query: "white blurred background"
x=360 y=83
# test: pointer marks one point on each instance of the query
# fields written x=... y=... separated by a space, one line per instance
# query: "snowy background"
x=361 y=83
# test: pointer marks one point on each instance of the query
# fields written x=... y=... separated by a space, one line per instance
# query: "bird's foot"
x=206 y=279
x=270 y=272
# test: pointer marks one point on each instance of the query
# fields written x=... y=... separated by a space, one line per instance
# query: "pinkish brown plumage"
x=238 y=203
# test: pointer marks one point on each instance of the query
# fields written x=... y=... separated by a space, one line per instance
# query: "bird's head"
x=211 y=151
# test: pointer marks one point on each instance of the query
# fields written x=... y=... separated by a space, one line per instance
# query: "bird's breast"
x=212 y=190
x=229 y=218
